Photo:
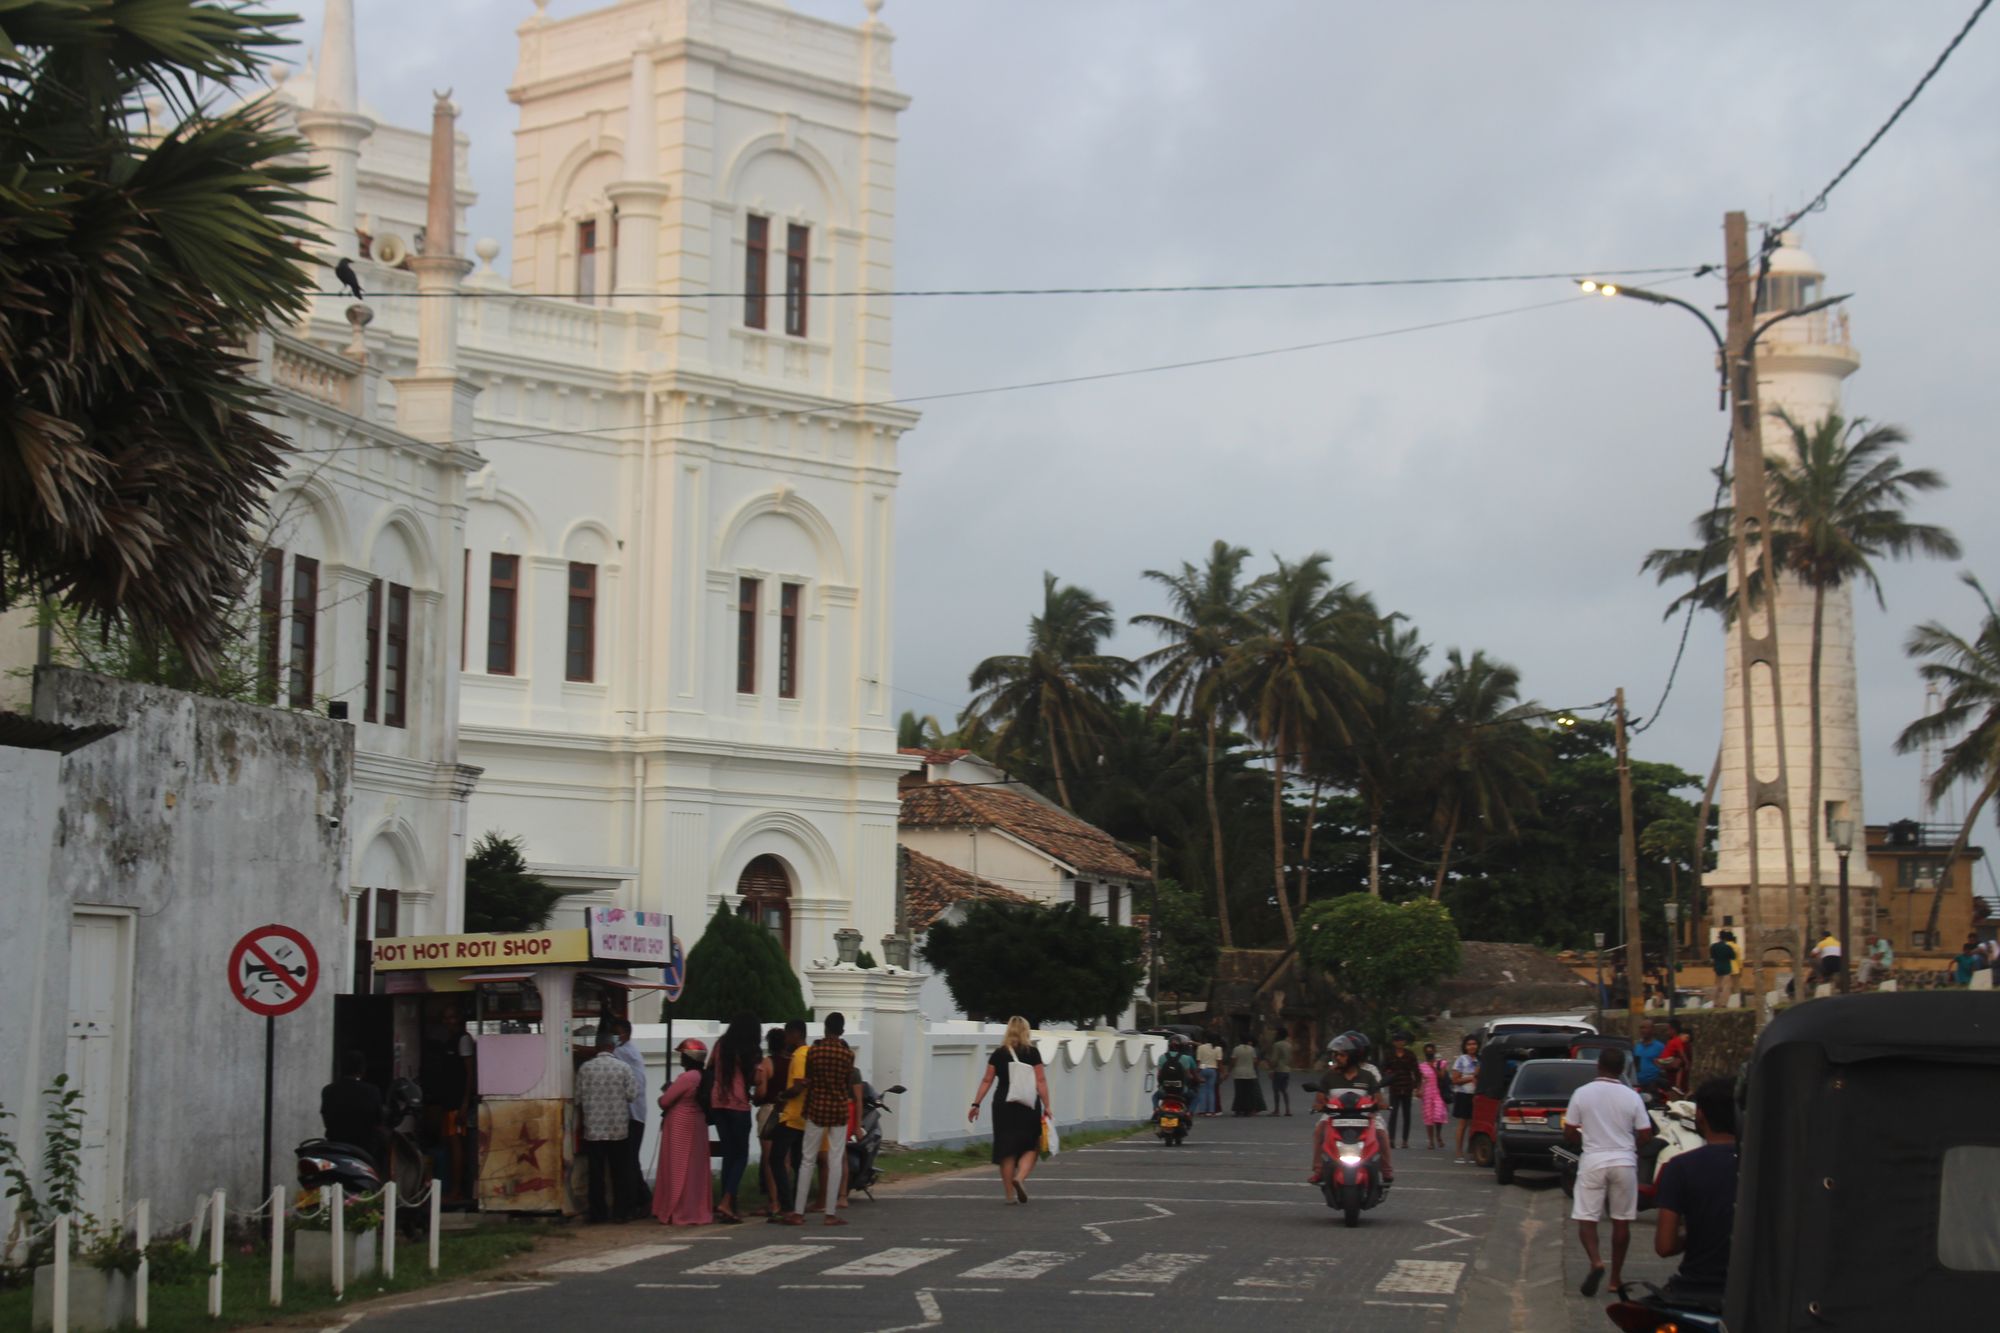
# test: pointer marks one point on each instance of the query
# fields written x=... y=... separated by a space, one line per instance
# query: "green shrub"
x=736 y=967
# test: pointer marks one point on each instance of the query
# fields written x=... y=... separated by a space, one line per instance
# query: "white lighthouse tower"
x=1800 y=364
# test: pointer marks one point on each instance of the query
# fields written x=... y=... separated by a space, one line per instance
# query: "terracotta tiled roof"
x=931 y=888
x=1062 y=835
x=930 y=756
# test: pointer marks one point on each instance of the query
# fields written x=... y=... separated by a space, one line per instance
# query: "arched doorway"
x=766 y=889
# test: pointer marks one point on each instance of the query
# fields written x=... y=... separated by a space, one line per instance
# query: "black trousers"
x=605 y=1161
x=787 y=1147
x=635 y=1172
x=1400 y=1104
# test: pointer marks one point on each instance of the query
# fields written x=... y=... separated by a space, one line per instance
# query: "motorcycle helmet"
x=695 y=1047
x=1351 y=1042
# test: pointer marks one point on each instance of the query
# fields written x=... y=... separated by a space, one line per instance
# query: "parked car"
x=1500 y=1058
x=1511 y=1023
x=1530 y=1123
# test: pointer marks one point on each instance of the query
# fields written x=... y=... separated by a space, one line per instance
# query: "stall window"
x=507 y=1008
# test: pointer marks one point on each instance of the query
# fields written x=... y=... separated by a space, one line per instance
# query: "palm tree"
x=1968 y=673
x=1298 y=676
x=918 y=733
x=1489 y=760
x=134 y=464
x=1202 y=630
x=1061 y=690
x=1839 y=495
x=1395 y=718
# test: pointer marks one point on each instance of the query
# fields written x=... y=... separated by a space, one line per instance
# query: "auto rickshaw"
x=1869 y=1192
x=1498 y=1061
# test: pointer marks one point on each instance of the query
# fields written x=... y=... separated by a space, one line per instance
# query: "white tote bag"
x=1020 y=1090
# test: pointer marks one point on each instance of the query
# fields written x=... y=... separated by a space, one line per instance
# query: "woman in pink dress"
x=681 y=1181
x=1431 y=1079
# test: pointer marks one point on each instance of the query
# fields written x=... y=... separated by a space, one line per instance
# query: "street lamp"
x=1597 y=965
x=1595 y=288
x=1673 y=911
x=1842 y=833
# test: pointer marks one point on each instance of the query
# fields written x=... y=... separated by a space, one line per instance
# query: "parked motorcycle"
x=1642 y=1308
x=1351 y=1154
x=323 y=1162
x=863 y=1150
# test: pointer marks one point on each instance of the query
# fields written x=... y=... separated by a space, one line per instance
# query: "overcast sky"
x=1498 y=482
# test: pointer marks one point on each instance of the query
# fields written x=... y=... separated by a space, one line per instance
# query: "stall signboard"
x=534 y=946
x=621 y=935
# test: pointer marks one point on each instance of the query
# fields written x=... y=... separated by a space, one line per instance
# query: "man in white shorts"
x=1610 y=1121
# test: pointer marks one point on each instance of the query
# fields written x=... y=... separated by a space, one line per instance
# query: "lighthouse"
x=1800 y=364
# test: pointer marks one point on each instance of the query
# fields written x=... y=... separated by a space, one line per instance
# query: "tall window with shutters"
x=396 y=658
x=270 y=621
x=788 y=641
x=503 y=587
x=373 y=682
x=305 y=629
x=580 y=649
x=797 y=239
x=746 y=635
x=756 y=263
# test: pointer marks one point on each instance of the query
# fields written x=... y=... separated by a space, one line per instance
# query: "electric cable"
x=1700 y=572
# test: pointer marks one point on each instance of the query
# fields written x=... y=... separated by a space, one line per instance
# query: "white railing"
x=320 y=376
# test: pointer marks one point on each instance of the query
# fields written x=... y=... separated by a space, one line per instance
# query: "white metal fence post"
x=61 y=1311
x=336 y=1202
x=389 y=1231
x=437 y=1219
x=277 y=1245
x=142 y=1225
x=215 y=1221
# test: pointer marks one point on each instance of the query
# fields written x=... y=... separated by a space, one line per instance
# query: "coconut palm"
x=1395 y=717
x=133 y=463
x=1188 y=673
x=1060 y=692
x=1839 y=494
x=1299 y=678
x=1967 y=720
x=918 y=733
x=1489 y=761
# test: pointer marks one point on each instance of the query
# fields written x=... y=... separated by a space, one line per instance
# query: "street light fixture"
x=1597 y=965
x=1673 y=911
x=1841 y=831
x=1595 y=288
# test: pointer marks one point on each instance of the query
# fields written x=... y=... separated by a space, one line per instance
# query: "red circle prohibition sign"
x=273 y=970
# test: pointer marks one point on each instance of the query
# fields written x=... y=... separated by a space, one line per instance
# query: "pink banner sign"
x=621 y=935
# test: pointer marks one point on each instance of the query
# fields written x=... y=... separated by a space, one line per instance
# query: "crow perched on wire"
x=345 y=272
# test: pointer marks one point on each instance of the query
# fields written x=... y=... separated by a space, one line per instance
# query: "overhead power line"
x=1165 y=289
x=1819 y=200
x=1700 y=573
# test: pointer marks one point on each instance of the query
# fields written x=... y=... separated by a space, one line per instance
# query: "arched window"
x=767 y=898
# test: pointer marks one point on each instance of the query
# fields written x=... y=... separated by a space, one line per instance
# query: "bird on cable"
x=345 y=272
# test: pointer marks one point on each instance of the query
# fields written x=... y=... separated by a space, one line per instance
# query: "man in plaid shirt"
x=829 y=1094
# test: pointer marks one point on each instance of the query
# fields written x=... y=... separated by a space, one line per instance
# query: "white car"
x=1576 y=1023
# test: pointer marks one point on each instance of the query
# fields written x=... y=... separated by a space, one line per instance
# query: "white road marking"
x=610 y=1259
x=1089 y=1291
x=508 y=1290
x=1288 y=1300
x=1097 y=1228
x=886 y=1263
x=1022 y=1264
x=928 y=1306
x=760 y=1260
x=950 y=1240
x=914 y=1196
x=1289 y=1274
x=677 y=1286
x=1410 y=1305
x=821 y=1286
x=1456 y=1235
x=1156 y=1268
x=1422 y=1277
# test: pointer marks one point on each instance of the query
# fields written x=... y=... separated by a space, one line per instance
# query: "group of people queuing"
x=1242 y=1065
x=802 y=1099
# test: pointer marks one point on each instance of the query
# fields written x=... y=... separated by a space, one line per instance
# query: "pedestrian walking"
x=768 y=1096
x=1608 y=1121
x=1020 y=1101
x=1249 y=1098
x=1209 y=1056
x=1400 y=1070
x=829 y=1103
x=1281 y=1074
x=790 y=1139
x=1646 y=1053
x=604 y=1090
x=1966 y=963
x=728 y=1082
x=635 y=1134
x=1436 y=1083
x=680 y=1177
x=1464 y=1073
x=1722 y=957
x=1675 y=1059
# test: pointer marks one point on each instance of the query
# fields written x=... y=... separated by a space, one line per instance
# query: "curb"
x=1516 y=1281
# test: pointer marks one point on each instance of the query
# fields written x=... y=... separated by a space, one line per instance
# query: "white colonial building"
x=678 y=485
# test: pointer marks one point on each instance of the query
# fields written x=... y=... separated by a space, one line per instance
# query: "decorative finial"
x=488 y=250
x=443 y=98
x=874 y=7
x=359 y=317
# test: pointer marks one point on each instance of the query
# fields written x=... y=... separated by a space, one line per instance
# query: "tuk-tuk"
x=1869 y=1191
x=1498 y=1061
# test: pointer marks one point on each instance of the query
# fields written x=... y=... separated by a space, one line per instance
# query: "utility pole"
x=1628 y=857
x=1756 y=628
x=1153 y=937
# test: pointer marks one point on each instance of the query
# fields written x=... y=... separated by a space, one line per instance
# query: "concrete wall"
x=196 y=821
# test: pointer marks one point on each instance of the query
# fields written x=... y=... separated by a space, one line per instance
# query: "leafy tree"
x=1187 y=932
x=1967 y=719
x=1202 y=629
x=1041 y=962
x=134 y=464
x=501 y=893
x=1395 y=719
x=918 y=733
x=1377 y=952
x=1060 y=692
x=1489 y=759
x=736 y=967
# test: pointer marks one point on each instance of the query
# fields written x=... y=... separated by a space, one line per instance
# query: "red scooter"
x=1351 y=1154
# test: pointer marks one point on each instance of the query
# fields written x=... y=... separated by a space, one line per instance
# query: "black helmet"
x=1351 y=1042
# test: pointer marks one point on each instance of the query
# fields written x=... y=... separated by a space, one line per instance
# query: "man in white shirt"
x=1609 y=1120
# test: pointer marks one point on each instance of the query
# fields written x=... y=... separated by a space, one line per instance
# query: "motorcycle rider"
x=1346 y=1068
x=1176 y=1071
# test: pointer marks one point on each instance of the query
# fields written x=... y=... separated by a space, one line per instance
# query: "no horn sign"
x=273 y=970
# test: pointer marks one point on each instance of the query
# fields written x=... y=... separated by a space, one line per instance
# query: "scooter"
x=1649 y=1311
x=323 y=1162
x=1350 y=1152
x=1172 y=1120
x=1674 y=1132
x=863 y=1150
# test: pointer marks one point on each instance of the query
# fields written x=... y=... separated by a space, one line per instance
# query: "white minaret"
x=1800 y=364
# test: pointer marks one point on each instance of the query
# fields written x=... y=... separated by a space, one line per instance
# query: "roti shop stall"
x=493 y=1027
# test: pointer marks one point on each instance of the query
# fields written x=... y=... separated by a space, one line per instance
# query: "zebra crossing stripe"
x=1153 y=1268
x=887 y=1263
x=610 y=1259
x=1022 y=1265
x=761 y=1260
x=1288 y=1274
x=1422 y=1277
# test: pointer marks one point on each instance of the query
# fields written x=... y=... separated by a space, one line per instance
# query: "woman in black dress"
x=1017 y=1126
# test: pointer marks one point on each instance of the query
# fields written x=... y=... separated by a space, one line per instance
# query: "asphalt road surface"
x=1219 y=1233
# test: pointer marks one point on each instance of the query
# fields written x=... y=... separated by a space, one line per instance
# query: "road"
x=1222 y=1231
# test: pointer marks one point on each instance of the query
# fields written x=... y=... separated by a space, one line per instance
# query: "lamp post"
x=1842 y=833
x=1673 y=911
x=1597 y=965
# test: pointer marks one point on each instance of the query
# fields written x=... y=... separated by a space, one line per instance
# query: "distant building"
x=1908 y=861
x=1003 y=835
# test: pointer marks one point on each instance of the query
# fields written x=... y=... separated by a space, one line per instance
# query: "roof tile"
x=1060 y=834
